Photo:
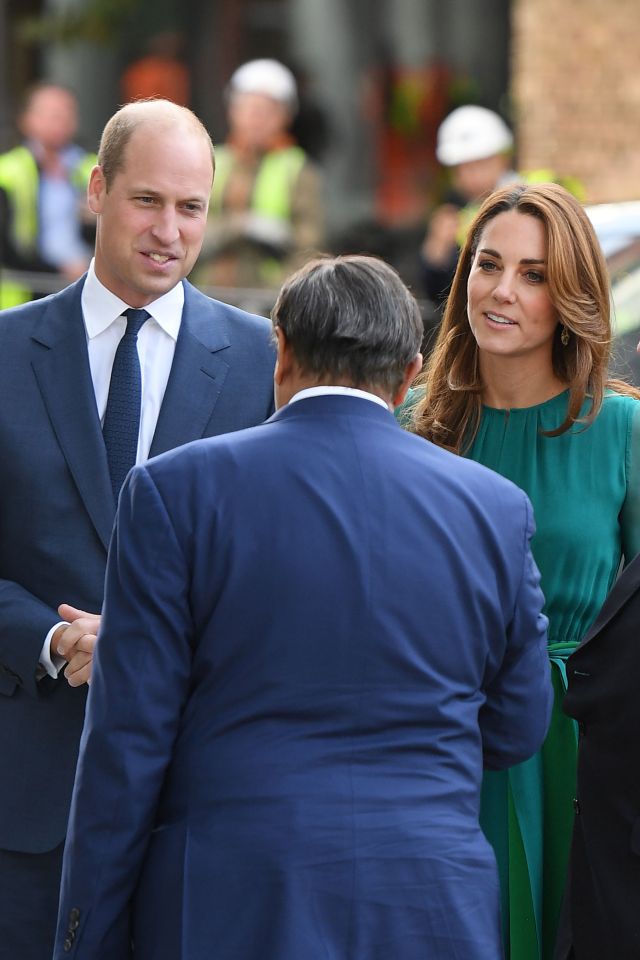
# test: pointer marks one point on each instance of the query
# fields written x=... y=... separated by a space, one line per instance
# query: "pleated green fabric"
x=585 y=490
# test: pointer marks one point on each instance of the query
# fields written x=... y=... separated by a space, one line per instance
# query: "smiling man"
x=128 y=362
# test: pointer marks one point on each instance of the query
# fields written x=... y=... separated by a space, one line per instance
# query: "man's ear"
x=285 y=357
x=96 y=190
x=411 y=372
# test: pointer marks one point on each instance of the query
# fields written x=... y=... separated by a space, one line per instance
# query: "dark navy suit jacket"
x=601 y=913
x=57 y=511
x=325 y=627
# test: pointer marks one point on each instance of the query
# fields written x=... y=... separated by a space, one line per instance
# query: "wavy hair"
x=578 y=283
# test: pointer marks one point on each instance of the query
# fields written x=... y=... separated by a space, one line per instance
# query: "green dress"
x=585 y=489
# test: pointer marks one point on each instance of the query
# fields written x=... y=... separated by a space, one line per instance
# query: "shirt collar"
x=343 y=391
x=100 y=307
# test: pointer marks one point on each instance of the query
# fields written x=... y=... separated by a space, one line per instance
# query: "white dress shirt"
x=105 y=326
x=344 y=391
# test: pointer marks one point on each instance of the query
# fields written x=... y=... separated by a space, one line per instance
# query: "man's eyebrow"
x=498 y=256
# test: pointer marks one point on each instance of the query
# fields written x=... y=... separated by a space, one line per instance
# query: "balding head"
x=158 y=114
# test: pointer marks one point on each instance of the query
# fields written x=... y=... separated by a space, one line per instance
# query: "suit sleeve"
x=139 y=687
x=517 y=710
x=24 y=623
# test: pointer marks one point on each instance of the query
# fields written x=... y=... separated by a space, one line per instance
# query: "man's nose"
x=165 y=226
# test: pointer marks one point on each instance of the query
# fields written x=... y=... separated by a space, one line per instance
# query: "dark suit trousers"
x=29 y=885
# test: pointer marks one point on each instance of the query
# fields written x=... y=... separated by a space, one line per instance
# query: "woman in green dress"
x=518 y=381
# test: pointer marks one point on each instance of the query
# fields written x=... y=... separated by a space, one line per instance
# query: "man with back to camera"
x=177 y=367
x=288 y=718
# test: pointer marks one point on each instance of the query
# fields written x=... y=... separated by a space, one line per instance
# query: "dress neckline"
x=545 y=405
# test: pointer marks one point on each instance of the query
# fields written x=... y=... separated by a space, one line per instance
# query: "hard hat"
x=471 y=133
x=269 y=77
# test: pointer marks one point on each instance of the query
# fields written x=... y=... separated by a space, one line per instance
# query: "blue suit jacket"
x=57 y=511
x=324 y=626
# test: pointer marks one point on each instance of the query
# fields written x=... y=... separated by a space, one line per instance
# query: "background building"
x=375 y=79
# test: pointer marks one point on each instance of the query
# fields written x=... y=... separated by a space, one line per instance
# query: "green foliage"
x=97 y=21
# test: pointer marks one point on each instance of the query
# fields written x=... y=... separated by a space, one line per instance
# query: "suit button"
x=74 y=914
x=576 y=805
x=73 y=925
x=66 y=946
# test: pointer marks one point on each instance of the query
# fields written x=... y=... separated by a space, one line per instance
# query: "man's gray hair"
x=351 y=319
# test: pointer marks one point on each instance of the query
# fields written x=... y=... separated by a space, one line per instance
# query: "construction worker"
x=266 y=211
x=477 y=147
x=44 y=225
x=476 y=144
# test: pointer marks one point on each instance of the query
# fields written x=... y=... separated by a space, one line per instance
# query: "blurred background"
x=375 y=79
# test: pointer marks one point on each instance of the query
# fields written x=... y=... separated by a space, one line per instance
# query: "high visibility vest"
x=20 y=180
x=271 y=196
x=273 y=186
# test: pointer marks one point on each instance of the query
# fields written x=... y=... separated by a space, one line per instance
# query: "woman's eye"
x=534 y=276
x=487 y=265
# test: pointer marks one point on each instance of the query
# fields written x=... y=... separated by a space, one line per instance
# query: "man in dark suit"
x=601 y=913
x=198 y=368
x=315 y=631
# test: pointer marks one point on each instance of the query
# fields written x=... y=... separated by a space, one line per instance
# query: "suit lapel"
x=197 y=375
x=622 y=591
x=64 y=379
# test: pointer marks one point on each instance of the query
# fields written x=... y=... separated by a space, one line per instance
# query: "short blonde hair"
x=120 y=128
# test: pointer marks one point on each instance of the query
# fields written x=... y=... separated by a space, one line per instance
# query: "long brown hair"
x=578 y=281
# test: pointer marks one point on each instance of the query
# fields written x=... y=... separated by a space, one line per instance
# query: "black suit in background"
x=601 y=915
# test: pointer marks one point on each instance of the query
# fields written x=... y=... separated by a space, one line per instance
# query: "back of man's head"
x=350 y=320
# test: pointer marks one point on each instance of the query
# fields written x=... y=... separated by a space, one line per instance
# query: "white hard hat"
x=269 y=77
x=471 y=133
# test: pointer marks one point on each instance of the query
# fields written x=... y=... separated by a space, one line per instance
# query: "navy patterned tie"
x=122 y=416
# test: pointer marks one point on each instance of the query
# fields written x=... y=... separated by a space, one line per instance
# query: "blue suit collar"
x=197 y=375
x=61 y=366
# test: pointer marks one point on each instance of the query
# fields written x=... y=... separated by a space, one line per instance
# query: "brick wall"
x=576 y=91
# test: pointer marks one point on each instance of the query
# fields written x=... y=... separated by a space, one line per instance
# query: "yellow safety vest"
x=272 y=191
x=20 y=178
x=276 y=176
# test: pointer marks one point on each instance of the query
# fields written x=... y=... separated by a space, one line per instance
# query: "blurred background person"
x=159 y=72
x=45 y=223
x=518 y=381
x=476 y=145
x=266 y=211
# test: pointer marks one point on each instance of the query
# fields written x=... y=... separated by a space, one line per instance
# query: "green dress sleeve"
x=630 y=513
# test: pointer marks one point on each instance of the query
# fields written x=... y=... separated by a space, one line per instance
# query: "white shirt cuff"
x=48 y=665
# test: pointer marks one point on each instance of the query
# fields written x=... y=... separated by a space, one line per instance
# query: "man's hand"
x=75 y=641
